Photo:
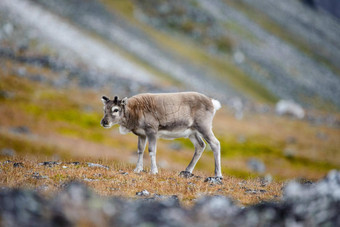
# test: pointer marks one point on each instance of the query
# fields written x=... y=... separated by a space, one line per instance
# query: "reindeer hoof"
x=214 y=180
x=154 y=172
x=186 y=174
x=138 y=170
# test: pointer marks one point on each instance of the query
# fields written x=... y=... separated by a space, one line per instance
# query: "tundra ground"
x=40 y=123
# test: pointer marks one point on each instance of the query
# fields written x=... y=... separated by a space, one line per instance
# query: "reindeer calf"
x=168 y=116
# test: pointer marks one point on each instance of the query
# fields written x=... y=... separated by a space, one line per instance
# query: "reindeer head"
x=112 y=111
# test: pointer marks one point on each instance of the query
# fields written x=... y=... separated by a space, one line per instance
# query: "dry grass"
x=120 y=180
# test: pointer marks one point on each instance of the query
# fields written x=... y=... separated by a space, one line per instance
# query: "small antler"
x=115 y=100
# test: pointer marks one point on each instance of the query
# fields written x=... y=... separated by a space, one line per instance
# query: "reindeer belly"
x=166 y=134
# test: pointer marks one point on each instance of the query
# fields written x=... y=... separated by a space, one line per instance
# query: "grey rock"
x=175 y=146
x=254 y=191
x=97 y=165
x=8 y=152
x=89 y=179
x=22 y=208
x=321 y=136
x=38 y=78
x=291 y=140
x=241 y=139
x=289 y=152
x=18 y=164
x=256 y=165
x=289 y=107
x=21 y=130
x=75 y=163
x=123 y=173
x=49 y=163
x=6 y=94
x=143 y=193
x=37 y=175
x=267 y=179
x=213 y=210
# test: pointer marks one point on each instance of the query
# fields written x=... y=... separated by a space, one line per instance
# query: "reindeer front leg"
x=141 y=148
x=152 y=152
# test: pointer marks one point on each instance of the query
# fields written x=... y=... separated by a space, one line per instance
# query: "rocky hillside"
x=260 y=51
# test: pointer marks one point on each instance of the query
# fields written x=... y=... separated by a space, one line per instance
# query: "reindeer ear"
x=105 y=99
x=124 y=101
x=115 y=100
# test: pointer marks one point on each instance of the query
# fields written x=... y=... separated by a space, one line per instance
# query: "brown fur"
x=164 y=110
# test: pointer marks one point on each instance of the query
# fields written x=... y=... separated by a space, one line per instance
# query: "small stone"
x=321 y=136
x=21 y=130
x=49 y=163
x=267 y=179
x=65 y=167
x=251 y=191
x=289 y=107
x=18 y=164
x=90 y=180
x=291 y=140
x=97 y=165
x=175 y=146
x=143 y=193
x=6 y=95
x=289 y=152
x=256 y=165
x=241 y=139
x=36 y=175
x=8 y=152
x=75 y=163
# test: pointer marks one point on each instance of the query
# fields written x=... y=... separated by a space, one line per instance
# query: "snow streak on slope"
x=64 y=35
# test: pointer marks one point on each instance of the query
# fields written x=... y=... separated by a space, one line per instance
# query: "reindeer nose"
x=104 y=122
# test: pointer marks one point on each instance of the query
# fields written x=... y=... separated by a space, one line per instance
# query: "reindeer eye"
x=115 y=110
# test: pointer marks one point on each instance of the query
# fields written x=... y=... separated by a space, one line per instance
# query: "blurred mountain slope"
x=258 y=50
